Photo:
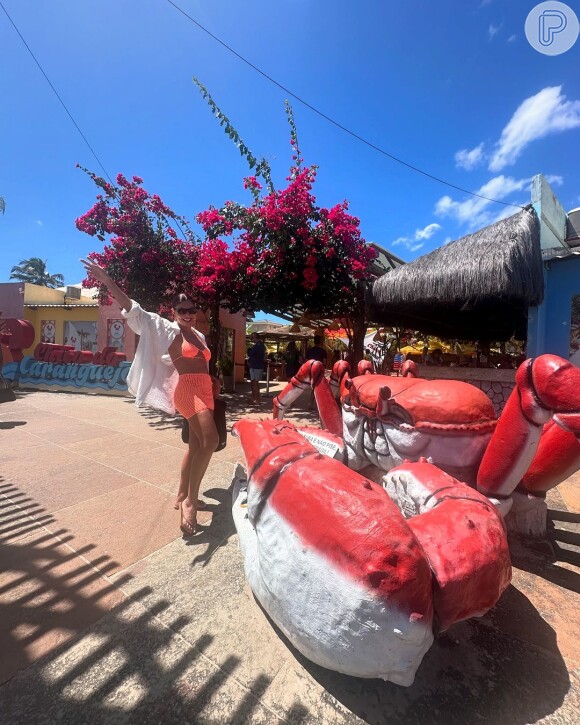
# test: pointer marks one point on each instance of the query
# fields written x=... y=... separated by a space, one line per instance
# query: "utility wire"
x=70 y=114
x=336 y=123
x=56 y=94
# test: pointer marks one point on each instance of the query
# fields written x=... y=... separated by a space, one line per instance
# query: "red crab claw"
x=521 y=448
x=331 y=559
x=462 y=535
x=311 y=374
x=335 y=564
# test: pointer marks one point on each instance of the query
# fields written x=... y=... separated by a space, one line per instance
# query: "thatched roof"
x=476 y=288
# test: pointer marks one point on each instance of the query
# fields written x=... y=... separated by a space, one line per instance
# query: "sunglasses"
x=185 y=310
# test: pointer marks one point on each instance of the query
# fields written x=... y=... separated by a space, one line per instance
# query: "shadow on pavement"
x=221 y=527
x=302 y=412
x=475 y=672
x=541 y=557
x=76 y=649
x=157 y=419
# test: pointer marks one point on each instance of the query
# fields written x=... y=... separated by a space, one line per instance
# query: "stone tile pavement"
x=108 y=616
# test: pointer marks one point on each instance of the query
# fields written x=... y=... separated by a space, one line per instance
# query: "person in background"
x=335 y=357
x=256 y=364
x=292 y=360
x=317 y=352
x=434 y=358
x=169 y=372
x=398 y=360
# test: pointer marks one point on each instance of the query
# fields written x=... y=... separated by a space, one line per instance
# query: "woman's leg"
x=184 y=472
x=202 y=430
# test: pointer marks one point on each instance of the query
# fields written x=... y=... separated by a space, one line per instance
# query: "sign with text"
x=73 y=377
x=323 y=445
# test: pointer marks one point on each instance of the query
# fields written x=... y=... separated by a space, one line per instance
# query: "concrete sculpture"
x=358 y=575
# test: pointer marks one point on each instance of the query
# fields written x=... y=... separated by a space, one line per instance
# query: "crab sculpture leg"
x=311 y=375
x=356 y=584
x=536 y=442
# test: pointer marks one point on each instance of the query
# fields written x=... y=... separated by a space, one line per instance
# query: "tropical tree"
x=34 y=271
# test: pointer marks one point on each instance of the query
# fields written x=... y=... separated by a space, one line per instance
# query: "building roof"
x=476 y=288
x=34 y=305
x=282 y=332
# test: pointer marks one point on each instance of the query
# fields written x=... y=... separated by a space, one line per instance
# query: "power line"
x=70 y=114
x=56 y=94
x=336 y=123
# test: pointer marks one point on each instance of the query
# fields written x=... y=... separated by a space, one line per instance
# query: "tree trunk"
x=359 y=330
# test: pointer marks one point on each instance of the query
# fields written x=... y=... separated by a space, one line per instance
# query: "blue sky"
x=451 y=87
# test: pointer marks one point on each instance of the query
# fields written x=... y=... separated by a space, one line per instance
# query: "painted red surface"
x=546 y=387
x=465 y=542
x=428 y=402
x=347 y=519
x=19 y=337
x=557 y=457
x=453 y=557
x=50 y=352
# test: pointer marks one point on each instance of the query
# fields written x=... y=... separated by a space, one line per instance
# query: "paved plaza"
x=107 y=615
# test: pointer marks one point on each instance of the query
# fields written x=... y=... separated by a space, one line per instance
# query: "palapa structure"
x=476 y=288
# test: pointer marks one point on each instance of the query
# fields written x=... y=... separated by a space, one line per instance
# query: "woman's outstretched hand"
x=95 y=271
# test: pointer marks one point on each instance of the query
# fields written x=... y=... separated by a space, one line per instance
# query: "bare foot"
x=188 y=518
x=181 y=496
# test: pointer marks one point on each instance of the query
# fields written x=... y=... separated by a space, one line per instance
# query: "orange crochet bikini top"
x=191 y=351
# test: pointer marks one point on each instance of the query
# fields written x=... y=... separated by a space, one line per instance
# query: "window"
x=82 y=335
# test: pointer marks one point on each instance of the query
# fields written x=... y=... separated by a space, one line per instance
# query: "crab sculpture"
x=532 y=446
x=360 y=574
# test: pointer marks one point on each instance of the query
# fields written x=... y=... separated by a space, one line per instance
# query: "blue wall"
x=549 y=324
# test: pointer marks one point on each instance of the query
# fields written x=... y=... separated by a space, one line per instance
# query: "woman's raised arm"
x=98 y=273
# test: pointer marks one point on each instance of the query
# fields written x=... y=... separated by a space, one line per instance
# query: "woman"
x=183 y=383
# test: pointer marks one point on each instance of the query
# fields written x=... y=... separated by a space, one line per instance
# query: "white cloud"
x=39 y=223
x=427 y=232
x=474 y=212
x=408 y=243
x=545 y=113
x=512 y=38
x=417 y=240
x=554 y=180
x=493 y=30
x=469 y=159
x=447 y=241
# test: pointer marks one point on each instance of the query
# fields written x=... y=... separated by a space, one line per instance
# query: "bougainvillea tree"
x=295 y=253
x=144 y=253
x=279 y=252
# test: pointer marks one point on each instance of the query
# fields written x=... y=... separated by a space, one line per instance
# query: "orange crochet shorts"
x=194 y=393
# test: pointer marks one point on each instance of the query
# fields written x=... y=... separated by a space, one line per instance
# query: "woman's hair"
x=182 y=297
